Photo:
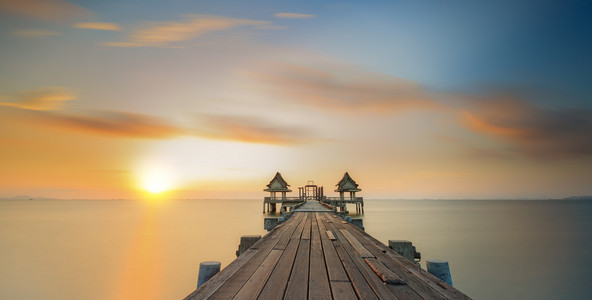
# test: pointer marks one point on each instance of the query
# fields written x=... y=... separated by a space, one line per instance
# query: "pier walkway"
x=313 y=206
x=317 y=255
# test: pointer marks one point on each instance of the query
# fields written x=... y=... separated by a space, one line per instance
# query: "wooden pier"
x=316 y=254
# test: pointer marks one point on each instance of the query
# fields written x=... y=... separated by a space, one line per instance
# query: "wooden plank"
x=318 y=283
x=330 y=235
x=298 y=232
x=276 y=285
x=231 y=286
x=419 y=286
x=335 y=269
x=356 y=244
x=343 y=290
x=307 y=227
x=219 y=279
x=400 y=291
x=253 y=286
x=291 y=225
x=298 y=284
x=420 y=280
x=359 y=283
x=377 y=285
x=210 y=287
x=387 y=276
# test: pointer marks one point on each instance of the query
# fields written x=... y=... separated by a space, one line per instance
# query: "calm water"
x=134 y=249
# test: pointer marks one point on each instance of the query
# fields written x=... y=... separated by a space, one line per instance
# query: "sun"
x=157 y=180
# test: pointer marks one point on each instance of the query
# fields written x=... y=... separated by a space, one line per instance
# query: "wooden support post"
x=440 y=269
x=246 y=241
x=270 y=223
x=404 y=248
x=358 y=223
x=207 y=270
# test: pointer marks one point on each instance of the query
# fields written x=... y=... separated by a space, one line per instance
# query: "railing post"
x=440 y=269
x=207 y=270
x=246 y=241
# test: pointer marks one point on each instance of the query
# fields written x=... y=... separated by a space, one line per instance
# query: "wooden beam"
x=318 y=283
x=383 y=272
x=298 y=283
x=356 y=244
x=276 y=285
x=253 y=286
x=330 y=235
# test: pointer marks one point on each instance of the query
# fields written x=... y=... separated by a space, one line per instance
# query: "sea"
x=151 y=249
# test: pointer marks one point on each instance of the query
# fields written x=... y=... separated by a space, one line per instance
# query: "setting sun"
x=157 y=180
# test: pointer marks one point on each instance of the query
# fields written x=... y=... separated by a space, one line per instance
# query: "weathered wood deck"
x=317 y=255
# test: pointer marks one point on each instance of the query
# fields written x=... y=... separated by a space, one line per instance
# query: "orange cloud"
x=344 y=88
x=483 y=125
x=250 y=130
x=293 y=16
x=98 y=26
x=126 y=124
x=526 y=127
x=531 y=129
x=35 y=33
x=50 y=10
x=113 y=123
x=162 y=34
x=50 y=98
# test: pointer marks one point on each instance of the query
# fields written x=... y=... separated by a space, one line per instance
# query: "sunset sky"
x=208 y=99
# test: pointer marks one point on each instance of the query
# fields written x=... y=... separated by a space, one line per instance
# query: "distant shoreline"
x=252 y=199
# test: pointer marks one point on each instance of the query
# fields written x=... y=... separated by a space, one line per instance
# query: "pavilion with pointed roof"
x=347 y=184
x=277 y=185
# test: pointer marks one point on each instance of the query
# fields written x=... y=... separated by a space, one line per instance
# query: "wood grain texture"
x=315 y=255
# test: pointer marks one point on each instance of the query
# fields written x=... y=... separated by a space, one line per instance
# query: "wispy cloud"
x=532 y=129
x=343 y=88
x=49 y=98
x=50 y=10
x=293 y=16
x=31 y=33
x=98 y=26
x=135 y=125
x=115 y=123
x=251 y=130
x=522 y=125
x=163 y=34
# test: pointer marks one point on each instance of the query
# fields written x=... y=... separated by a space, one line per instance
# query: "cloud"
x=531 y=129
x=98 y=26
x=343 y=88
x=163 y=34
x=251 y=130
x=114 y=123
x=293 y=16
x=35 y=33
x=49 y=10
x=522 y=125
x=135 y=125
x=50 y=98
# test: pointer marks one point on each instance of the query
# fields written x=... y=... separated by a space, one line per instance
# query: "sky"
x=208 y=99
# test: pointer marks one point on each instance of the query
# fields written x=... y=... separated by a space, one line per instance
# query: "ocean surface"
x=133 y=249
